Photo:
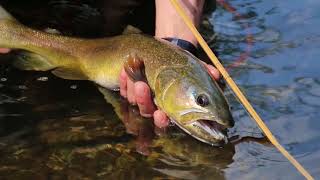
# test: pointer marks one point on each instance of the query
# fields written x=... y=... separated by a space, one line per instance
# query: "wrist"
x=183 y=36
x=186 y=45
x=170 y=24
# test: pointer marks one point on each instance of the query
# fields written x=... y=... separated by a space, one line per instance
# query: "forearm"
x=170 y=24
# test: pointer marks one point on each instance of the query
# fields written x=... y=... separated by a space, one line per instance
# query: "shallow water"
x=53 y=128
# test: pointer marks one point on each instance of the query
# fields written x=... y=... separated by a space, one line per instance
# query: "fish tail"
x=39 y=51
x=13 y=35
x=12 y=32
x=7 y=26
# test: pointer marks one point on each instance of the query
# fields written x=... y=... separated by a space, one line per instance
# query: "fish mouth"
x=205 y=130
x=216 y=134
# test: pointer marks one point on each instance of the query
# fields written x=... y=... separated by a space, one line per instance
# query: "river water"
x=57 y=129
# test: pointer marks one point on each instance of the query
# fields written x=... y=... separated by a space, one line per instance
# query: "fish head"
x=195 y=103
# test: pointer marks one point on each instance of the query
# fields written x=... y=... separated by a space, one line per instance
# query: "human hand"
x=139 y=93
x=169 y=23
x=4 y=50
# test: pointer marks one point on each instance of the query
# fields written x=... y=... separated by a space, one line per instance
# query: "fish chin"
x=212 y=128
x=212 y=132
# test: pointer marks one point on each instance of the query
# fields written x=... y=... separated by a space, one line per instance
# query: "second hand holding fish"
x=4 y=50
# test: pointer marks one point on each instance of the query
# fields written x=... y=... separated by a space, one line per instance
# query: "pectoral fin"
x=131 y=30
x=68 y=73
x=134 y=67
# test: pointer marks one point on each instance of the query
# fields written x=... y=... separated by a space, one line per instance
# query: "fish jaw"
x=204 y=130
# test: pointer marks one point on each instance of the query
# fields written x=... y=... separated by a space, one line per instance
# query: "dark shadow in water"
x=90 y=140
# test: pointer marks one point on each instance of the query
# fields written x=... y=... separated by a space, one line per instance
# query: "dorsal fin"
x=5 y=15
x=131 y=30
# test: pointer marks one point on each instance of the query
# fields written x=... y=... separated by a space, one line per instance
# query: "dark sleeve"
x=119 y=13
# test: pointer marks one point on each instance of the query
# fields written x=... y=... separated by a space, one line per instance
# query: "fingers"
x=139 y=93
x=4 y=50
x=123 y=83
x=130 y=92
x=160 y=119
x=144 y=99
x=214 y=73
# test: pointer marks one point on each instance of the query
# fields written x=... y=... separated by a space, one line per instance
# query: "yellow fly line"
x=238 y=92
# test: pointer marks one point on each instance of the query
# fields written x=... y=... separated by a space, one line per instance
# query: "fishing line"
x=238 y=92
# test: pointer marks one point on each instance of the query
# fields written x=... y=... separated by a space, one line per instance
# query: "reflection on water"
x=281 y=81
x=58 y=147
x=53 y=128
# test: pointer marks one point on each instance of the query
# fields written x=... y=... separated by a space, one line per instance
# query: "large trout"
x=180 y=83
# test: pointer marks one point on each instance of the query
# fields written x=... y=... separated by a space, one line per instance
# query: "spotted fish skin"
x=180 y=83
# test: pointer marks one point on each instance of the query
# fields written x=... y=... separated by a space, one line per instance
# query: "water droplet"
x=171 y=123
x=74 y=86
x=23 y=87
x=43 y=78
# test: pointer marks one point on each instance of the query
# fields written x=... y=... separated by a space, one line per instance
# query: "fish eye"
x=202 y=100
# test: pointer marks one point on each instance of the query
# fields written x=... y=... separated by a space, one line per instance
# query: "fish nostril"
x=231 y=123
